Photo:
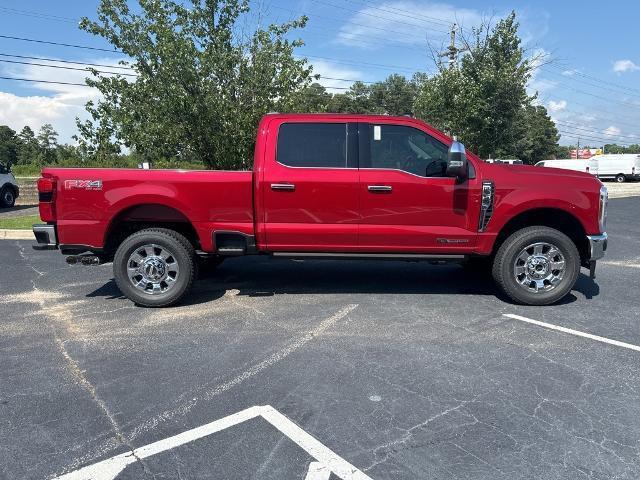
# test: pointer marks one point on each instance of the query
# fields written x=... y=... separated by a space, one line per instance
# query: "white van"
x=619 y=167
x=567 y=164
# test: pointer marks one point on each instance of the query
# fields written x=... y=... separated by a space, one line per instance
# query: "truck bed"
x=88 y=201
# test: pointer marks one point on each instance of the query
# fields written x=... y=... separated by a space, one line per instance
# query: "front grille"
x=486 y=208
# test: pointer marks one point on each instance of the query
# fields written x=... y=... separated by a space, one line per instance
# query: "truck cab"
x=332 y=186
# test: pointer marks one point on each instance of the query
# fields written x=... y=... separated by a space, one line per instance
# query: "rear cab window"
x=313 y=145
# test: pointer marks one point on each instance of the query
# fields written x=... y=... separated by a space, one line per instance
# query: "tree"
x=482 y=101
x=313 y=98
x=8 y=146
x=202 y=83
x=539 y=135
x=28 y=147
x=563 y=151
x=48 y=142
x=394 y=96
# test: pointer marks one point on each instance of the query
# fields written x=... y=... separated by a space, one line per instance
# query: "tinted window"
x=407 y=149
x=313 y=145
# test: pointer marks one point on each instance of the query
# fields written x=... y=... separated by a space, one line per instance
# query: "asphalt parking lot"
x=399 y=370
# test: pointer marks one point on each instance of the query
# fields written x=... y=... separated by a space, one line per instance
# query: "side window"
x=408 y=149
x=312 y=145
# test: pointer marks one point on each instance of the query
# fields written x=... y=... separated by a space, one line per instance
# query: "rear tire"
x=155 y=267
x=7 y=197
x=536 y=266
x=620 y=178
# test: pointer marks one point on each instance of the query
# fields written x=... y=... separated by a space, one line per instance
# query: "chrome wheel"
x=152 y=269
x=539 y=267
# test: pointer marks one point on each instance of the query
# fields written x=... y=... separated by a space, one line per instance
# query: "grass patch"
x=19 y=223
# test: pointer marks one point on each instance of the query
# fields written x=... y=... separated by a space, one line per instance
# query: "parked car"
x=567 y=164
x=618 y=167
x=331 y=186
x=9 y=190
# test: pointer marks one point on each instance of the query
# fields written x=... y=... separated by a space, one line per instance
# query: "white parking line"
x=317 y=471
x=574 y=332
x=327 y=461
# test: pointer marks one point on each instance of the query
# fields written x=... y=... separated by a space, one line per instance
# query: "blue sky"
x=591 y=87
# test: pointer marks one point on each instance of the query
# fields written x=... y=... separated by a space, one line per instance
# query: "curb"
x=6 y=234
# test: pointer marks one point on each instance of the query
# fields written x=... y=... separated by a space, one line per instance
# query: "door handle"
x=380 y=188
x=289 y=187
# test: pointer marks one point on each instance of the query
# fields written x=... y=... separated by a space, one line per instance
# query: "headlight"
x=602 y=212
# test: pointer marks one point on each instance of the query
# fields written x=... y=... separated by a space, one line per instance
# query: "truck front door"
x=310 y=187
x=407 y=202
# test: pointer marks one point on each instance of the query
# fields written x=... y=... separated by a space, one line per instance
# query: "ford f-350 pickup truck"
x=327 y=186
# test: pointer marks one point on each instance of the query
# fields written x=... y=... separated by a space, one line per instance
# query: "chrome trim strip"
x=396 y=256
x=597 y=246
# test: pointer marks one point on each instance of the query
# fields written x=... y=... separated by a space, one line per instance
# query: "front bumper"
x=45 y=236
x=597 y=246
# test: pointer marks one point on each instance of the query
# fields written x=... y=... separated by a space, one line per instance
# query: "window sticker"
x=377 y=132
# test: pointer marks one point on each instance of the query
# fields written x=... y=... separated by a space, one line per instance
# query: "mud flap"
x=592 y=269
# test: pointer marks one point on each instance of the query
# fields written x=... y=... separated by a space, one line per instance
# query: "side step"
x=231 y=251
x=373 y=256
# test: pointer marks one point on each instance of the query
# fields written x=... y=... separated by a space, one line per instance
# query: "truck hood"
x=528 y=173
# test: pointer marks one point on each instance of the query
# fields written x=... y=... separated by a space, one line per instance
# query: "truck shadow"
x=261 y=276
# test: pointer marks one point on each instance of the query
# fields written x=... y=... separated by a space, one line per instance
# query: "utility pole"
x=452 y=52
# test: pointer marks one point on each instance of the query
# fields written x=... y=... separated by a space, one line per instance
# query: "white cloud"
x=333 y=71
x=570 y=73
x=372 y=26
x=557 y=106
x=612 y=131
x=51 y=103
x=622 y=66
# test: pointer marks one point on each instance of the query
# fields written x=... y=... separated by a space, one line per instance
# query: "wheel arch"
x=140 y=216
x=551 y=217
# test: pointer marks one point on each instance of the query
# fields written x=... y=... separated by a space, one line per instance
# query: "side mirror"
x=457 y=164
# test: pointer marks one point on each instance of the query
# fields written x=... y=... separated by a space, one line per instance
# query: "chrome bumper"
x=45 y=236
x=597 y=246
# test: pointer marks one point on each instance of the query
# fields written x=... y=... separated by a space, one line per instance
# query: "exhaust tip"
x=90 y=260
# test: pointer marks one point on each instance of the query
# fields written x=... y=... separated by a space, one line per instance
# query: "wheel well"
x=547 y=217
x=139 y=217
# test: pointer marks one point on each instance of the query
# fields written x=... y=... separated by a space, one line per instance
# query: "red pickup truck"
x=327 y=186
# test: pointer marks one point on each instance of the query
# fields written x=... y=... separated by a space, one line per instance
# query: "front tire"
x=536 y=266
x=7 y=197
x=620 y=178
x=155 y=267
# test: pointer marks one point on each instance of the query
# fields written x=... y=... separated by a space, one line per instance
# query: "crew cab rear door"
x=407 y=202
x=310 y=186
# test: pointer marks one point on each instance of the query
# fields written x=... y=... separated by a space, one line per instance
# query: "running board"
x=369 y=256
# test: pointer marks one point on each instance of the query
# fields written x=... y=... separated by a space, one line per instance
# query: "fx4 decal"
x=83 y=184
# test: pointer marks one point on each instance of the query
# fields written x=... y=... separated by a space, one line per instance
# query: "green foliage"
x=484 y=101
x=8 y=146
x=538 y=135
x=202 y=84
x=613 y=148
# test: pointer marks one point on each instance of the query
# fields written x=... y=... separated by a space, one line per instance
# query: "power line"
x=59 y=44
x=45 y=81
x=65 y=68
x=594 y=85
x=374 y=16
x=577 y=126
x=595 y=79
x=408 y=14
x=44 y=16
x=592 y=138
x=44 y=59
